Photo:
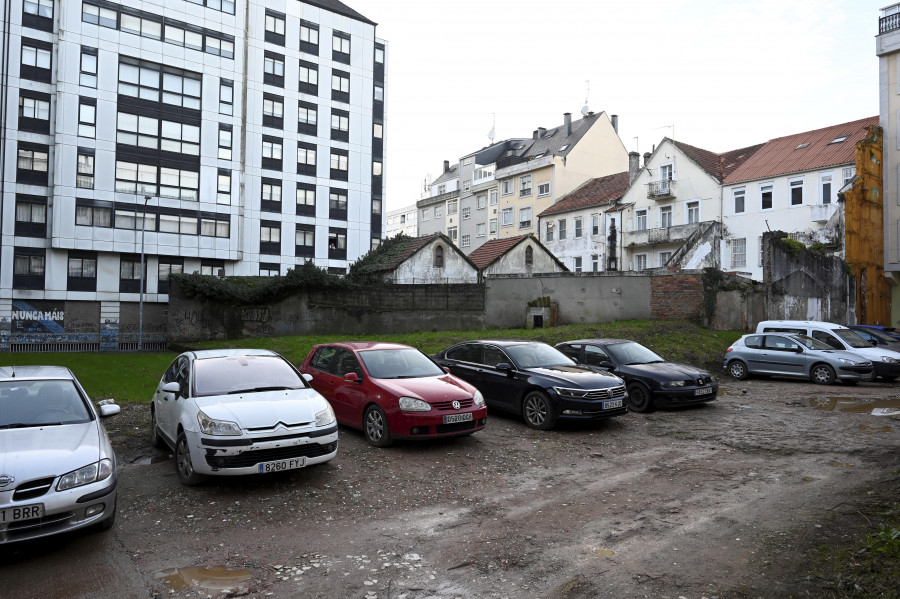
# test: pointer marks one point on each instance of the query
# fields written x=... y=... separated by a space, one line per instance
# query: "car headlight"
x=325 y=417
x=888 y=359
x=478 y=398
x=670 y=384
x=411 y=404
x=573 y=393
x=217 y=427
x=86 y=475
x=853 y=362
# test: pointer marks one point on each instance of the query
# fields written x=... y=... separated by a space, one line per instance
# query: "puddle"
x=808 y=479
x=841 y=465
x=214 y=580
x=879 y=429
x=604 y=552
x=155 y=459
x=855 y=405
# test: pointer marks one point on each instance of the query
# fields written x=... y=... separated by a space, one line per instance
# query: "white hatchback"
x=240 y=411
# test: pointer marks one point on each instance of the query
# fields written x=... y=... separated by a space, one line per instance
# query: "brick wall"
x=676 y=295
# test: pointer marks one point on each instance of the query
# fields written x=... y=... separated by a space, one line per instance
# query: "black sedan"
x=535 y=380
x=652 y=381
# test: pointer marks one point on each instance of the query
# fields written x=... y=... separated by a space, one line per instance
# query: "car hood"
x=576 y=375
x=264 y=409
x=429 y=389
x=665 y=371
x=38 y=452
x=839 y=353
x=874 y=353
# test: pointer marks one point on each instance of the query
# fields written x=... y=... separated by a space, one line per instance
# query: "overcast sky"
x=717 y=74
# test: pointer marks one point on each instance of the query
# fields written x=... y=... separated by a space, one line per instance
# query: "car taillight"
x=728 y=350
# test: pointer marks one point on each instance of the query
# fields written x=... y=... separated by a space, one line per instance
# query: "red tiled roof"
x=491 y=250
x=717 y=165
x=783 y=155
x=595 y=192
x=412 y=246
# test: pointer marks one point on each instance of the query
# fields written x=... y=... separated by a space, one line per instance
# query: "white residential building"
x=402 y=220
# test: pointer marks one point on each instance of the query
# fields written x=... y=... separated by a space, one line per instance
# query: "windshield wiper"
x=259 y=390
x=17 y=425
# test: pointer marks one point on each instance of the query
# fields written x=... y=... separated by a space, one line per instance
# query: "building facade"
x=887 y=48
x=210 y=136
x=402 y=220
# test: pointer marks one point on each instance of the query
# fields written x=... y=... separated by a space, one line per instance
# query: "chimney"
x=646 y=157
x=541 y=131
x=614 y=119
x=634 y=166
x=446 y=165
x=567 y=119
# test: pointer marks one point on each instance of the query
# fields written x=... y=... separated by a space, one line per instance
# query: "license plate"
x=451 y=418
x=281 y=465
x=609 y=405
x=703 y=391
x=22 y=512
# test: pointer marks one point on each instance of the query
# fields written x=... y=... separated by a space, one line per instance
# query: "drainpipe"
x=4 y=93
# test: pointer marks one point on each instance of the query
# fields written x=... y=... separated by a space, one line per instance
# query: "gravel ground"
x=725 y=500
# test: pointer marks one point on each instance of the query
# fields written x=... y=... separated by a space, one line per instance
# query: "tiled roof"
x=447 y=175
x=804 y=151
x=555 y=139
x=595 y=192
x=717 y=165
x=491 y=250
x=413 y=245
x=339 y=8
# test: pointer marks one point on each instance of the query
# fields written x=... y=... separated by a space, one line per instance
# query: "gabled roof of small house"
x=810 y=150
x=600 y=191
x=395 y=251
x=340 y=8
x=491 y=251
x=448 y=175
x=716 y=165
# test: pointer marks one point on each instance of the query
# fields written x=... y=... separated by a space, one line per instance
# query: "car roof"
x=35 y=372
x=505 y=342
x=601 y=340
x=202 y=354
x=366 y=345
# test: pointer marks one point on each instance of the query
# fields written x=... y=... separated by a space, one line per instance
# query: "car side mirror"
x=606 y=364
x=874 y=343
x=797 y=350
x=504 y=367
x=447 y=369
x=351 y=377
x=173 y=387
x=307 y=377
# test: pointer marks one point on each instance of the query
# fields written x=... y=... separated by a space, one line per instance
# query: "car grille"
x=455 y=427
x=448 y=405
x=610 y=393
x=29 y=528
x=251 y=458
x=704 y=380
x=32 y=489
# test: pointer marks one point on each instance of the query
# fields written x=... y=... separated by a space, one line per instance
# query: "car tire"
x=537 y=411
x=822 y=374
x=156 y=439
x=183 y=464
x=639 y=398
x=737 y=369
x=108 y=523
x=376 y=428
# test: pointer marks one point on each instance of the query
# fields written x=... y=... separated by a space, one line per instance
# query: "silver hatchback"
x=791 y=355
x=57 y=467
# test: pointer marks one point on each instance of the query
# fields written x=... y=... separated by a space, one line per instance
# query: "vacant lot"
x=726 y=500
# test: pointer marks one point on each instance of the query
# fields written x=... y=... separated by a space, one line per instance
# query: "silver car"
x=57 y=467
x=786 y=354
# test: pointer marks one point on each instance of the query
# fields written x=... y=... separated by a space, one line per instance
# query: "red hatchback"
x=393 y=391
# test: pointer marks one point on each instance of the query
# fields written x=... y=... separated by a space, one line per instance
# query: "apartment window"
x=337 y=204
x=88 y=73
x=340 y=86
x=309 y=78
x=561 y=227
x=666 y=172
x=32 y=163
x=693 y=212
x=134 y=221
x=847 y=174
x=84 y=177
x=273 y=111
x=149 y=132
x=640 y=262
x=442 y=189
x=506 y=187
x=340 y=160
x=439 y=256
x=28 y=268
x=272 y=152
x=379 y=55
x=225 y=141
x=796 y=192
x=480 y=230
x=525 y=217
x=305 y=241
x=765 y=197
x=378 y=131
x=306 y=199
x=493 y=226
x=226 y=97
x=34 y=112
x=543 y=189
x=739 y=197
x=376 y=210
x=340 y=125
x=595 y=224
x=524 y=186
x=665 y=217
x=640 y=220
x=306 y=158
x=494 y=200
x=340 y=47
x=377 y=168
x=273 y=69
x=379 y=93
x=31 y=216
x=82 y=271
x=93 y=216
x=223 y=187
x=309 y=38
x=36 y=60
x=168 y=266
x=738 y=253
x=38 y=8
x=212 y=267
x=760 y=246
x=158 y=83
x=269 y=237
x=578 y=227
x=466 y=212
x=215 y=227
x=452 y=207
x=426 y=213
x=275 y=27
x=506 y=216
x=664 y=258
x=466 y=240
x=131 y=277
x=576 y=263
x=481 y=201
x=453 y=233
x=438 y=212
x=548 y=232
x=270 y=200
x=180 y=224
x=595 y=262
x=467 y=184
x=337 y=243
x=825 y=182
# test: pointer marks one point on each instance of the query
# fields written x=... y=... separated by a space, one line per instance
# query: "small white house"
x=522 y=255
x=430 y=259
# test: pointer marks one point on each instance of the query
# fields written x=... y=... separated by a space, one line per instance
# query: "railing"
x=61 y=346
x=661 y=189
x=889 y=23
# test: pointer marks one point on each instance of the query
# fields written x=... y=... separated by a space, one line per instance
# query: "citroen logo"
x=456 y=405
x=5 y=479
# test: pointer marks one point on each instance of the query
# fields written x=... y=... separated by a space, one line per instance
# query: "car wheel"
x=108 y=523
x=738 y=370
x=822 y=374
x=156 y=439
x=639 y=399
x=183 y=464
x=537 y=411
x=375 y=427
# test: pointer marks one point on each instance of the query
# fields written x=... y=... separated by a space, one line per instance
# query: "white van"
x=887 y=362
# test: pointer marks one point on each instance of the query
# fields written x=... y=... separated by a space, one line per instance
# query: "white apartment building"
x=402 y=220
x=213 y=136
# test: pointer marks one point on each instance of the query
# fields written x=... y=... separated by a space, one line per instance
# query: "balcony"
x=661 y=190
x=821 y=213
x=890 y=19
x=676 y=234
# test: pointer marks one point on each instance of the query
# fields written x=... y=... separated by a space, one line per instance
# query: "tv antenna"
x=584 y=109
x=493 y=126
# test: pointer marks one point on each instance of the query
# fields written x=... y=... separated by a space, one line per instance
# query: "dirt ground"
x=726 y=500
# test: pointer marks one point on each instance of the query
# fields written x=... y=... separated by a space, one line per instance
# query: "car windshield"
x=537 y=355
x=851 y=338
x=28 y=403
x=880 y=336
x=244 y=374
x=633 y=353
x=402 y=363
x=810 y=343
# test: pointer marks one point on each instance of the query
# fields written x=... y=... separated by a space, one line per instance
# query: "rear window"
x=754 y=341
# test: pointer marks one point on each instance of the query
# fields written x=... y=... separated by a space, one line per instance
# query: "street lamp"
x=142 y=278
